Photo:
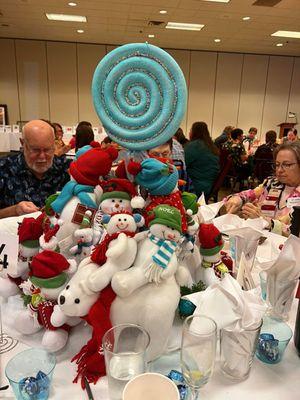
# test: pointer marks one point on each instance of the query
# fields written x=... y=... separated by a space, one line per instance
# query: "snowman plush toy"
x=29 y=231
x=48 y=275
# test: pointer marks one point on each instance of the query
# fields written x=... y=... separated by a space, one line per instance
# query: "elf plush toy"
x=48 y=275
x=211 y=243
x=161 y=181
x=82 y=189
x=148 y=293
x=29 y=232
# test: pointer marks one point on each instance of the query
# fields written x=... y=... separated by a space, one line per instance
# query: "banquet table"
x=266 y=381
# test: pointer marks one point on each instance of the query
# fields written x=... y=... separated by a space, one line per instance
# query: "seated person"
x=249 y=140
x=29 y=177
x=60 y=147
x=84 y=136
x=72 y=142
x=236 y=150
x=292 y=135
x=225 y=135
x=263 y=157
x=180 y=137
x=202 y=159
x=274 y=198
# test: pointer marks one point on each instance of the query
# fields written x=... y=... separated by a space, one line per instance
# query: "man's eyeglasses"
x=36 y=151
x=285 y=166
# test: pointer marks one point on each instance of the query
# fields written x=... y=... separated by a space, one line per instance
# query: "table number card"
x=7 y=128
x=9 y=245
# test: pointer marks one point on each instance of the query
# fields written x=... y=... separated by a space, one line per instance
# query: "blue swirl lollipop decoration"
x=140 y=95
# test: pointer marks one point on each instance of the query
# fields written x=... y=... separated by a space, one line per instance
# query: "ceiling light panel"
x=218 y=1
x=183 y=26
x=66 y=17
x=288 y=34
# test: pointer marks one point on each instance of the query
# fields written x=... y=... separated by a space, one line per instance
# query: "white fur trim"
x=73 y=266
x=137 y=202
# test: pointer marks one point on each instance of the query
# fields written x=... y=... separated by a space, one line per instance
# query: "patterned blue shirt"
x=18 y=183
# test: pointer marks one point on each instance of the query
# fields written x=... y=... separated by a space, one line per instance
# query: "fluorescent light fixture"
x=218 y=1
x=246 y=18
x=289 y=34
x=163 y=12
x=279 y=44
x=71 y=4
x=66 y=17
x=186 y=27
x=151 y=36
x=80 y=31
x=217 y=40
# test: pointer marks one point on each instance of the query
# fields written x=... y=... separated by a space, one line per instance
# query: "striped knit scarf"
x=165 y=251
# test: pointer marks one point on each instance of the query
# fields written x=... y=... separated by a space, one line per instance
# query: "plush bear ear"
x=106 y=218
x=139 y=220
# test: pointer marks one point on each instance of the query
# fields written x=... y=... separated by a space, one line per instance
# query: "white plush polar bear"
x=83 y=289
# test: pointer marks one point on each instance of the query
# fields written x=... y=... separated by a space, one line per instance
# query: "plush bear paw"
x=55 y=340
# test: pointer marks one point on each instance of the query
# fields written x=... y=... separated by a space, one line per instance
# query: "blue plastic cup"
x=273 y=340
x=30 y=374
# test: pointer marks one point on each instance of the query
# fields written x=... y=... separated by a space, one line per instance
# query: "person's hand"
x=233 y=204
x=26 y=207
x=250 y=210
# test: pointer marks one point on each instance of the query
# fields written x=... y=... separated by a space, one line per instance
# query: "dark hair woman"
x=201 y=158
x=84 y=136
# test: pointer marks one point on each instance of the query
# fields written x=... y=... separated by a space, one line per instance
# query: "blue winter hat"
x=157 y=177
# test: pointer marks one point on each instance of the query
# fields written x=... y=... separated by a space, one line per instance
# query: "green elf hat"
x=166 y=215
x=47 y=208
x=48 y=270
x=189 y=201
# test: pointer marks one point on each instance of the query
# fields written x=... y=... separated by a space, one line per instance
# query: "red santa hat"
x=96 y=162
x=210 y=239
x=48 y=269
x=29 y=231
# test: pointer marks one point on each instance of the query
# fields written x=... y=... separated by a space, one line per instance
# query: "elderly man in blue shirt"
x=29 y=177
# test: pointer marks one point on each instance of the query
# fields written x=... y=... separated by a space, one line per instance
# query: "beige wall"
x=40 y=79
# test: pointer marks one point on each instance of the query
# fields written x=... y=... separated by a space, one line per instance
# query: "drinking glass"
x=124 y=349
x=198 y=349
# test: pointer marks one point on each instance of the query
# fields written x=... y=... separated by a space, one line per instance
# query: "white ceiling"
x=118 y=22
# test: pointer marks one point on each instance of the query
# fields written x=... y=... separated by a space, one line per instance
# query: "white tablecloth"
x=266 y=381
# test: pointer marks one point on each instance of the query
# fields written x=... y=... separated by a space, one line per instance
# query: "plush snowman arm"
x=98 y=191
x=117 y=247
x=100 y=278
x=141 y=236
x=126 y=282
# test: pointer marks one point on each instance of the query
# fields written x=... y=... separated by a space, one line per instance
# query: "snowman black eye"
x=121 y=201
x=113 y=200
x=125 y=219
x=173 y=229
x=67 y=287
x=119 y=220
x=77 y=301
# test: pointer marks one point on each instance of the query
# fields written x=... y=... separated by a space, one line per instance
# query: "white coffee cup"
x=150 y=386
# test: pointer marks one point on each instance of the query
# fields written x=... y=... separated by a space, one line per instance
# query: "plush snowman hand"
x=118 y=246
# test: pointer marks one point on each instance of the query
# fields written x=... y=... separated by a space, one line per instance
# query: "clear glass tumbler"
x=237 y=352
x=125 y=348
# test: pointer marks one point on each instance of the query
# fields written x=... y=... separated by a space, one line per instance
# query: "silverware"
x=88 y=389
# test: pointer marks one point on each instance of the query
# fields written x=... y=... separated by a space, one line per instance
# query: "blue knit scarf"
x=165 y=251
x=71 y=189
